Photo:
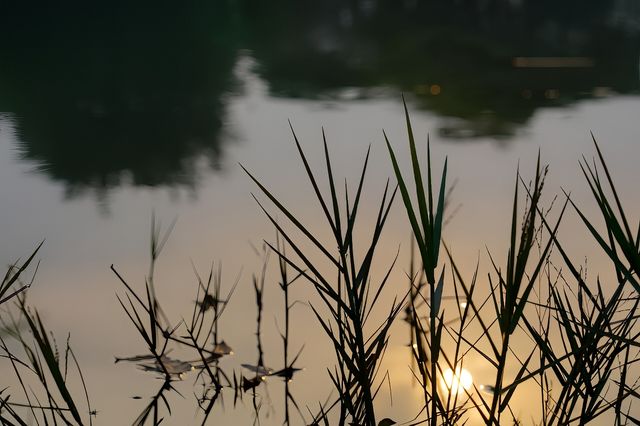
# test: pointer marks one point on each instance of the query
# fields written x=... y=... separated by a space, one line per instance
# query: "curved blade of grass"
x=406 y=200
x=332 y=188
x=312 y=179
x=437 y=223
x=292 y=218
x=40 y=335
x=425 y=213
x=12 y=276
x=613 y=189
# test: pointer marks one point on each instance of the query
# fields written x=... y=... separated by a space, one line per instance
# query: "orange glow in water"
x=456 y=382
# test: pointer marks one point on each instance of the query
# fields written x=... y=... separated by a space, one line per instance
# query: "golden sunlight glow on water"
x=456 y=382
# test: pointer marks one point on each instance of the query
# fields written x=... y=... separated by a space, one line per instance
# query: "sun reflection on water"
x=456 y=382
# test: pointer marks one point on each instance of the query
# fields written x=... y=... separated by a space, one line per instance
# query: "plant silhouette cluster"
x=582 y=336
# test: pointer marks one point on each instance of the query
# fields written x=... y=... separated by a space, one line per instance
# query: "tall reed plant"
x=344 y=284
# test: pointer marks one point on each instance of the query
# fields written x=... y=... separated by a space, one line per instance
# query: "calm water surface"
x=109 y=114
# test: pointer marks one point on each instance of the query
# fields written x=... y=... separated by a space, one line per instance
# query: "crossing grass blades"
x=582 y=333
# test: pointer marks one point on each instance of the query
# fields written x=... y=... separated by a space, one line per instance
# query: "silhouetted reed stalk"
x=289 y=368
x=12 y=277
x=284 y=286
x=260 y=370
x=598 y=332
x=258 y=286
x=153 y=332
x=427 y=228
x=515 y=286
x=201 y=335
x=349 y=298
x=203 y=328
x=593 y=327
x=41 y=361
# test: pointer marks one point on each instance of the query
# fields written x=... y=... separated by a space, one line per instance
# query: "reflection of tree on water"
x=457 y=58
x=102 y=92
x=118 y=92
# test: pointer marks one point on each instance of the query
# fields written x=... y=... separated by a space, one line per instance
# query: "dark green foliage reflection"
x=99 y=93
x=103 y=92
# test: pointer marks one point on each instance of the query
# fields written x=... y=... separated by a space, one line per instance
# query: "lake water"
x=109 y=114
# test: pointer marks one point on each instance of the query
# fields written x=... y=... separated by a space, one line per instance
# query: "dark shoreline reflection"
x=103 y=93
x=458 y=60
x=117 y=93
